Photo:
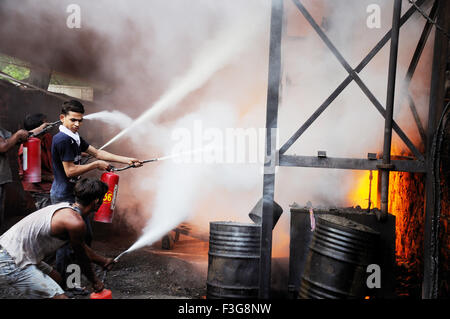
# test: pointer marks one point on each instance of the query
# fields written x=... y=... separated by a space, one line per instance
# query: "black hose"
x=46 y=129
x=113 y=169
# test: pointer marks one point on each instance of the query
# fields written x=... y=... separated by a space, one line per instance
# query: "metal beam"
x=413 y=66
x=420 y=128
x=437 y=95
x=421 y=45
x=357 y=79
x=390 y=100
x=273 y=93
x=346 y=82
x=349 y=163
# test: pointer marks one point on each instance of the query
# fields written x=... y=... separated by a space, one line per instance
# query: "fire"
x=406 y=203
x=365 y=188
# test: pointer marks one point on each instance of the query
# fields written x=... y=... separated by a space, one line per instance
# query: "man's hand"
x=21 y=136
x=135 y=162
x=109 y=263
x=98 y=286
x=102 y=165
x=38 y=129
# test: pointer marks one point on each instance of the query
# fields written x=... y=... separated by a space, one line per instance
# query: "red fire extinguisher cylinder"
x=32 y=160
x=106 y=211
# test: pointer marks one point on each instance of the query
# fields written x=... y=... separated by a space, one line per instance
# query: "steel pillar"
x=273 y=92
x=390 y=108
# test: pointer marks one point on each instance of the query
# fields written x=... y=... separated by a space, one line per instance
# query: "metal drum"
x=337 y=260
x=233 y=260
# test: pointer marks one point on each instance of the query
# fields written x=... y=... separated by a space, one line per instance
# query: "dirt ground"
x=150 y=272
x=155 y=273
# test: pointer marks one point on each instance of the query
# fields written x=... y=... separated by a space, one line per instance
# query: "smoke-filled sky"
x=213 y=56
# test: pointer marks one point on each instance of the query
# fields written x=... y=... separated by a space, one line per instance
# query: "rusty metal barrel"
x=339 y=254
x=233 y=260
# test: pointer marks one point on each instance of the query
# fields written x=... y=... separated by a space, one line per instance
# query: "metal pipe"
x=120 y=255
x=390 y=107
x=273 y=92
x=412 y=166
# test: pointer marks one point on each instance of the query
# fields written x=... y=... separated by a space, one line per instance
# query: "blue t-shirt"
x=65 y=149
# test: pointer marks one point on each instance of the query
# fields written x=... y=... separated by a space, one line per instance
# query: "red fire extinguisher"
x=106 y=210
x=31 y=154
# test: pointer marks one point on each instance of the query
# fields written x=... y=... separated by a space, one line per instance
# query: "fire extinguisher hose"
x=46 y=129
x=114 y=169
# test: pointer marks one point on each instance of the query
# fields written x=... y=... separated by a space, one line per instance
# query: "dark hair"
x=32 y=121
x=89 y=189
x=72 y=106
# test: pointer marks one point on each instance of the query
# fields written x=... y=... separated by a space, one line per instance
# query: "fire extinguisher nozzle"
x=120 y=255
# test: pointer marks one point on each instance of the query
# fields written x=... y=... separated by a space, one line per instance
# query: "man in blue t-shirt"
x=67 y=147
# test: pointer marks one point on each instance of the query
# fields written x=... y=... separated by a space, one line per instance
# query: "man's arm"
x=39 y=129
x=18 y=137
x=97 y=259
x=77 y=229
x=106 y=156
x=73 y=170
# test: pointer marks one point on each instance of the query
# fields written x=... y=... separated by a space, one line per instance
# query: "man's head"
x=72 y=115
x=33 y=121
x=89 y=194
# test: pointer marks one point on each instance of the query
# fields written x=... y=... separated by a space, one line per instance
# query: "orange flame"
x=406 y=202
x=364 y=188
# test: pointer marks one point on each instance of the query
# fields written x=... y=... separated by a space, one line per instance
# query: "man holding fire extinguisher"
x=67 y=147
x=39 y=190
x=7 y=142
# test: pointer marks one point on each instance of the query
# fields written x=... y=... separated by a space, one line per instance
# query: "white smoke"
x=214 y=55
x=114 y=118
x=175 y=62
x=350 y=127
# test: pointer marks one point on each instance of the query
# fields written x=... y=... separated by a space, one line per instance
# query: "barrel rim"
x=232 y=223
x=326 y=219
x=233 y=256
x=231 y=286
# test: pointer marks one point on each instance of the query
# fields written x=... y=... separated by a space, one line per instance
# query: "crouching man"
x=24 y=246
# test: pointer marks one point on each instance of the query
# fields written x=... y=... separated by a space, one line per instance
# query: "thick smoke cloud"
x=143 y=48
